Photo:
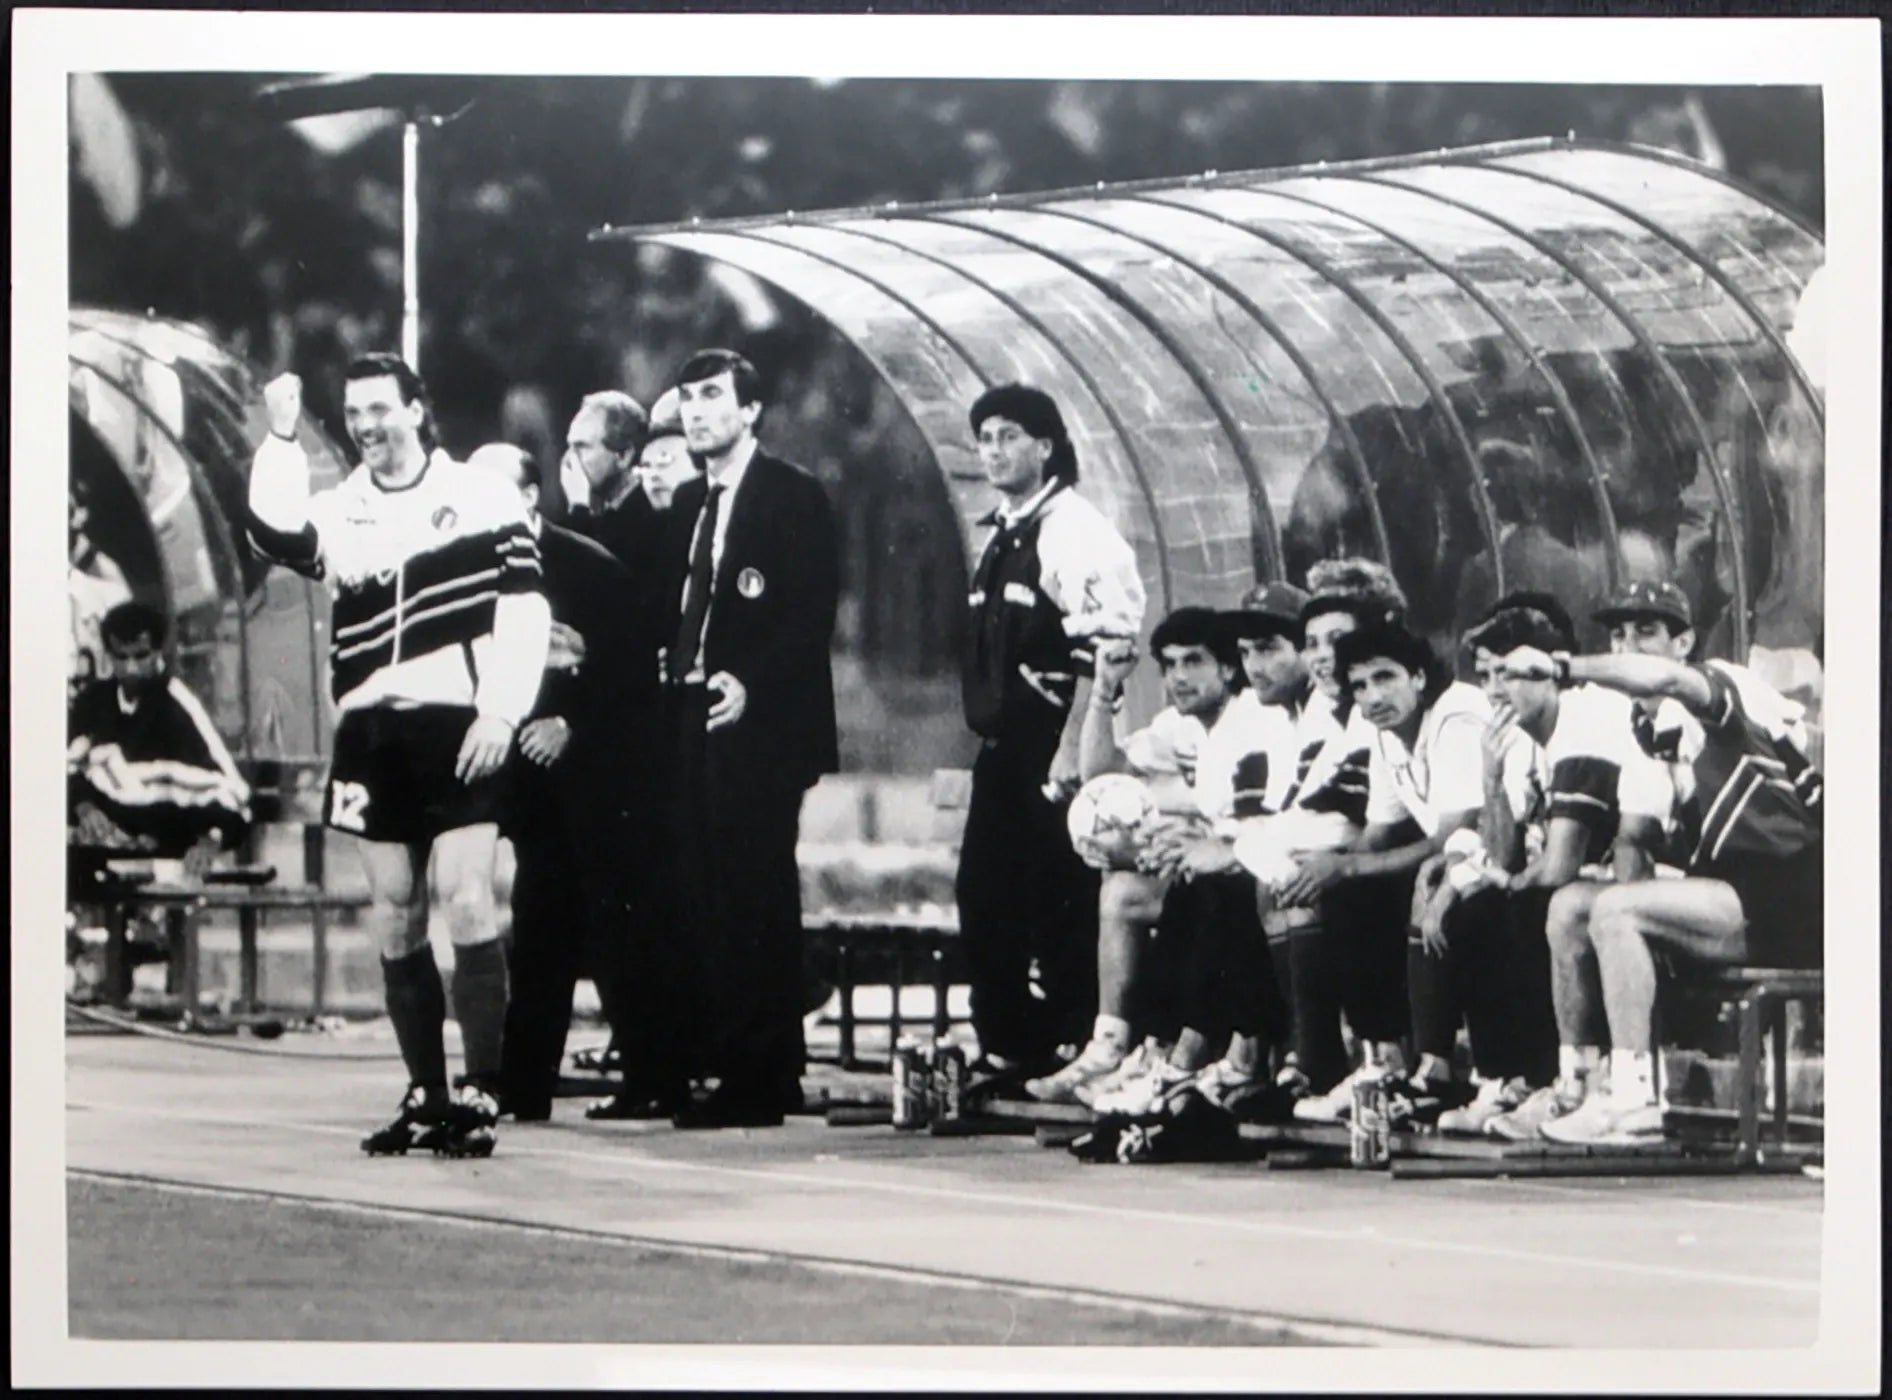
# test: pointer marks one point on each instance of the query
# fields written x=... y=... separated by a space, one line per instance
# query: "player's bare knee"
x=399 y=925
x=470 y=912
x=1567 y=920
x=1614 y=915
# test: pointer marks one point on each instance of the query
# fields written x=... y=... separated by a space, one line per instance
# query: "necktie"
x=696 y=590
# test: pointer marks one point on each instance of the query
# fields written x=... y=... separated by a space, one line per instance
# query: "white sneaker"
x=1222 y=1083
x=1147 y=1092
x=1336 y=1105
x=1494 y=1097
x=1098 y=1059
x=1605 y=1120
x=1132 y=1066
x=1525 y=1122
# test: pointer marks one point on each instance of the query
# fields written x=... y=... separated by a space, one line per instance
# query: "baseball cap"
x=1648 y=598
x=1268 y=610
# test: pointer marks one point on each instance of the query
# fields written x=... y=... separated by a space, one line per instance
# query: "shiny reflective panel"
x=1420 y=479
x=1174 y=446
x=164 y=426
x=1471 y=364
x=1545 y=497
x=1765 y=254
x=1274 y=393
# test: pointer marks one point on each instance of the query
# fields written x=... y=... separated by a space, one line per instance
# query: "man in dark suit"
x=621 y=470
x=568 y=805
x=750 y=583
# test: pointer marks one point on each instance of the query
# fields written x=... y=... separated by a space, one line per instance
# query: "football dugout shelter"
x=1555 y=364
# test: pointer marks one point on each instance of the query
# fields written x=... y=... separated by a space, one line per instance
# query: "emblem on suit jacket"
x=750 y=583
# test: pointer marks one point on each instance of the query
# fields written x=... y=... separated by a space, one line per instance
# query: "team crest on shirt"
x=750 y=583
x=445 y=518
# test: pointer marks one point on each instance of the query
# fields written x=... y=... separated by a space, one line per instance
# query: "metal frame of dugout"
x=1535 y=358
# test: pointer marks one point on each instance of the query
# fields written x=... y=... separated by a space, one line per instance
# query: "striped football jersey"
x=422 y=579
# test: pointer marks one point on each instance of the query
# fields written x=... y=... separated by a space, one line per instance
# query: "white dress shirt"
x=729 y=476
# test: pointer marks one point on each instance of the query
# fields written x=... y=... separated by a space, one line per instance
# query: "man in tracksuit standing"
x=1053 y=578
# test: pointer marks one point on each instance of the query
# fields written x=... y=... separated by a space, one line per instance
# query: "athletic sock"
x=1632 y=1077
x=479 y=999
x=1387 y=1055
x=417 y=1004
x=1578 y=1063
x=1111 y=1030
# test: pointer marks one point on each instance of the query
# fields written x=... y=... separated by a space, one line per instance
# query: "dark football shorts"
x=1785 y=904
x=392 y=777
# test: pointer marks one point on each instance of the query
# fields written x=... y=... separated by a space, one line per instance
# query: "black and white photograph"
x=929 y=702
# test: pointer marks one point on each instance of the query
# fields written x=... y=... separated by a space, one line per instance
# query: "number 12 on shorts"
x=347 y=806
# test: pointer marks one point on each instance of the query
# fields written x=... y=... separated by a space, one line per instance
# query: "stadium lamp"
x=418 y=102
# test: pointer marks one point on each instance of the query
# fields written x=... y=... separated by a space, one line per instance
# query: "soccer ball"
x=1107 y=819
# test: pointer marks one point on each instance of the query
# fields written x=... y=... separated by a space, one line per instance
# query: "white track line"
x=1810 y=1212
x=1221 y=1224
x=1331 y=1334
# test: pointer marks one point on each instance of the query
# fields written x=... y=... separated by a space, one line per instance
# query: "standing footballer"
x=440 y=632
x=1053 y=578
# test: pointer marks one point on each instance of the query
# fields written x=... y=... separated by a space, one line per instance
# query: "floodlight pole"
x=409 y=98
x=410 y=241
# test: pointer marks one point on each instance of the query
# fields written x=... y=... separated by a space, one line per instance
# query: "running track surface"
x=1332 y=1256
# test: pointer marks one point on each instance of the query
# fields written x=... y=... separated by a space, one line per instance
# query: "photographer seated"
x=147 y=777
x=146 y=773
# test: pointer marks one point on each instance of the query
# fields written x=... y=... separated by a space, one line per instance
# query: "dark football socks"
x=479 y=1000
x=417 y=1004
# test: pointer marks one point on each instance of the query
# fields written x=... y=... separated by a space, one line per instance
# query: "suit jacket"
x=633 y=532
x=591 y=593
x=771 y=616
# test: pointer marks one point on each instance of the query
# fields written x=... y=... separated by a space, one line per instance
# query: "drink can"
x=1368 y=1140
x=911 y=1100
x=949 y=1082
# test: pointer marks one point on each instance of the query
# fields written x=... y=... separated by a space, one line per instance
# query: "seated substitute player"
x=1643 y=619
x=1224 y=996
x=1423 y=784
x=1345 y=952
x=1211 y=737
x=1753 y=888
x=1584 y=791
x=147 y=773
x=440 y=635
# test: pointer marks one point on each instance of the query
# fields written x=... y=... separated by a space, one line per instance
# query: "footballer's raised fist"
x=282 y=402
x=1116 y=659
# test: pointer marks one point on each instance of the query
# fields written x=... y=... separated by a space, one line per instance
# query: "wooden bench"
x=1760 y=996
x=249 y=891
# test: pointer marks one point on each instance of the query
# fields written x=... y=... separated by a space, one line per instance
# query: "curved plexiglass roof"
x=1541 y=364
x=165 y=420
